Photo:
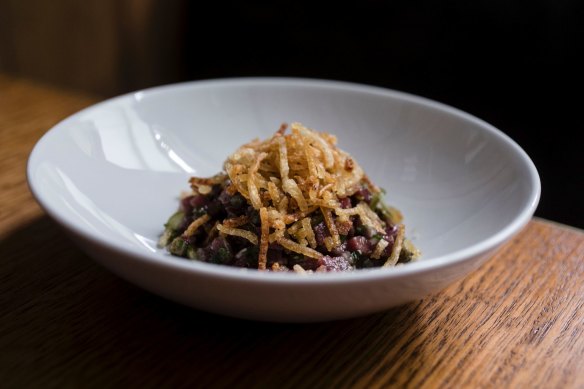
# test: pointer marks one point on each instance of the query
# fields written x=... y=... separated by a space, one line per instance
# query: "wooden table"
x=66 y=322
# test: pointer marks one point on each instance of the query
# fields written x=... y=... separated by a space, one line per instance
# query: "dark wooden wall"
x=105 y=47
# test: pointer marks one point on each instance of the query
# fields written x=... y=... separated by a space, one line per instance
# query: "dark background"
x=512 y=63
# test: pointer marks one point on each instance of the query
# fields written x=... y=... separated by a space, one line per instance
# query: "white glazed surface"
x=112 y=173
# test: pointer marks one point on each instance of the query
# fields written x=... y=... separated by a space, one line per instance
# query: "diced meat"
x=339 y=250
x=215 y=209
x=359 y=243
x=235 y=205
x=320 y=232
x=306 y=262
x=390 y=234
x=363 y=194
x=339 y=263
x=198 y=201
x=345 y=202
x=219 y=251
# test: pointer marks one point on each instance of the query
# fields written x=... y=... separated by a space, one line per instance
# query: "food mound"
x=292 y=202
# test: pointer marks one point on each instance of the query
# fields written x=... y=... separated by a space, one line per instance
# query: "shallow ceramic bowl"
x=112 y=173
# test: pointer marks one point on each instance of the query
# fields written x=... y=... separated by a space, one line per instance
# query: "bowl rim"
x=229 y=273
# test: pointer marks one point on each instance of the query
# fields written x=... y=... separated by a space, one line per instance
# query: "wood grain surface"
x=517 y=322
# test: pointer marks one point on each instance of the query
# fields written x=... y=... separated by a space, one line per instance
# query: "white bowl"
x=112 y=173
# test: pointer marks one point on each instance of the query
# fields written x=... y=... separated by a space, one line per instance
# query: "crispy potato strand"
x=381 y=245
x=332 y=227
x=194 y=226
x=265 y=228
x=252 y=186
x=298 y=248
x=238 y=232
x=236 y=221
x=309 y=232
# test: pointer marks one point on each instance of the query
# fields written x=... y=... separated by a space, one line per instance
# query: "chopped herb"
x=167 y=236
x=254 y=218
x=191 y=252
x=375 y=200
x=222 y=255
x=237 y=201
x=178 y=246
x=175 y=221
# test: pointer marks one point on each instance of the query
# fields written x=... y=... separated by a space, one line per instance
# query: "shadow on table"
x=67 y=321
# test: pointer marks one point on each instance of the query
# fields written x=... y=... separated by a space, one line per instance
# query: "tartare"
x=293 y=202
